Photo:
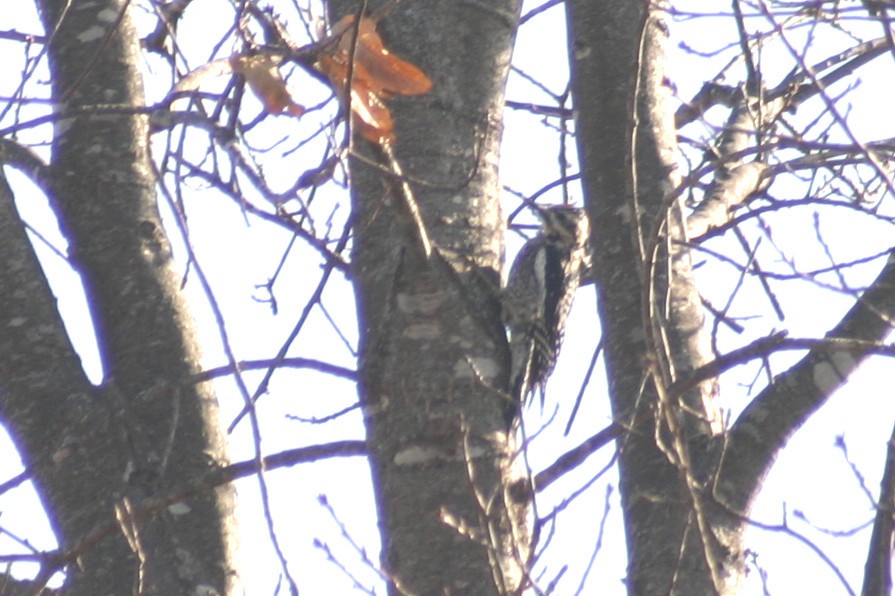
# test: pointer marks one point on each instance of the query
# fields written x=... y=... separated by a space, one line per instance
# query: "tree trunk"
x=679 y=541
x=434 y=355
x=147 y=430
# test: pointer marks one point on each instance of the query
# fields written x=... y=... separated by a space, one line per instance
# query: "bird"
x=538 y=297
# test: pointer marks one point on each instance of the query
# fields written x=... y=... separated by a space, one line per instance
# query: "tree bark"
x=146 y=431
x=677 y=538
x=434 y=356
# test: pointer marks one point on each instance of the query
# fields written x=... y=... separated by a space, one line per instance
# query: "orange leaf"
x=368 y=113
x=371 y=117
x=376 y=73
x=381 y=70
x=264 y=79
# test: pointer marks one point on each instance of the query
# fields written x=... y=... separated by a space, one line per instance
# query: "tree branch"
x=775 y=414
x=878 y=569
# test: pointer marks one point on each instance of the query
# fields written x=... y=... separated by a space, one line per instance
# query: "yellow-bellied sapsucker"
x=539 y=294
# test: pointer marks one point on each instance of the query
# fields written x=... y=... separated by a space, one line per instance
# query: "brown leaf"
x=264 y=79
x=376 y=73
x=381 y=70
x=369 y=114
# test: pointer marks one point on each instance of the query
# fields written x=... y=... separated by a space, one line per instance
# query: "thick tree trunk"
x=146 y=431
x=434 y=354
x=678 y=541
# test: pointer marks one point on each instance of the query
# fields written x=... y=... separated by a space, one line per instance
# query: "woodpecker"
x=539 y=293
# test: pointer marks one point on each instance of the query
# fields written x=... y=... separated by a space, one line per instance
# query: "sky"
x=239 y=253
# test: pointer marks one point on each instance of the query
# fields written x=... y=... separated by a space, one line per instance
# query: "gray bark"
x=685 y=505
x=100 y=454
x=676 y=542
x=434 y=355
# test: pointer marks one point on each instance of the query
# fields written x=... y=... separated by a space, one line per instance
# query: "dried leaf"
x=382 y=71
x=264 y=79
x=376 y=74
x=260 y=72
x=193 y=79
x=369 y=114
